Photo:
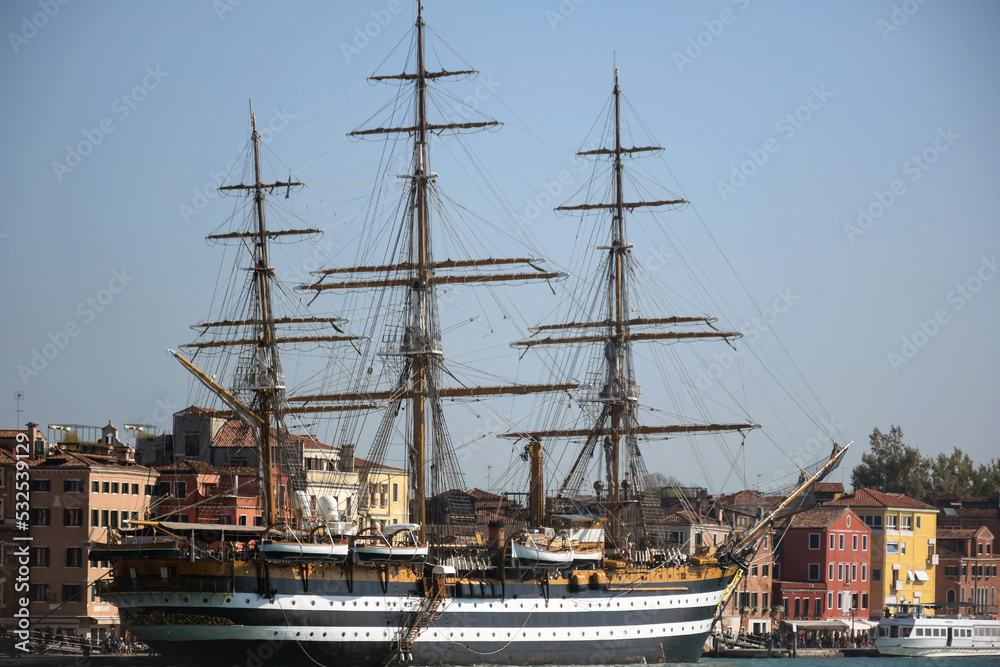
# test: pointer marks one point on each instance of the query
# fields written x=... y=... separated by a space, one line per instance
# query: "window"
x=395 y=492
x=41 y=517
x=765 y=571
x=918 y=522
x=980 y=546
x=114 y=488
x=71 y=592
x=848 y=520
x=95 y=487
x=41 y=485
x=104 y=518
x=829 y=600
x=125 y=488
x=892 y=548
x=951 y=595
x=258 y=520
x=105 y=487
x=854 y=543
x=906 y=523
x=74 y=557
x=39 y=592
x=902 y=548
x=876 y=574
x=243 y=519
x=180 y=490
x=114 y=518
x=840 y=544
x=813 y=571
x=798 y=608
x=40 y=556
x=840 y=600
x=805 y=607
x=864 y=543
x=814 y=541
x=192 y=445
x=840 y=571
x=951 y=571
x=818 y=609
x=753 y=570
x=864 y=572
x=135 y=489
x=854 y=571
x=764 y=604
x=95 y=518
x=73 y=485
x=833 y=539
x=830 y=575
x=149 y=489
x=890 y=522
x=964 y=569
x=72 y=517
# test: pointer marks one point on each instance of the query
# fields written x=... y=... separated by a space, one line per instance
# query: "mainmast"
x=253 y=336
x=617 y=426
x=420 y=275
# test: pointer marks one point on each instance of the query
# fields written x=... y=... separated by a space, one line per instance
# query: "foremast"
x=259 y=376
x=419 y=382
x=618 y=421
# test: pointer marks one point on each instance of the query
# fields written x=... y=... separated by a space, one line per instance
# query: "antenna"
x=18 y=396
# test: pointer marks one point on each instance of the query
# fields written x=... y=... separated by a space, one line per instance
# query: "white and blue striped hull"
x=528 y=623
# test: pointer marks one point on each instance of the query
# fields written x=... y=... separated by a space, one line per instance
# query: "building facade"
x=825 y=567
x=967 y=570
x=904 y=546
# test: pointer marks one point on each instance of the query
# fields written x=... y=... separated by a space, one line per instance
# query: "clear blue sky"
x=890 y=107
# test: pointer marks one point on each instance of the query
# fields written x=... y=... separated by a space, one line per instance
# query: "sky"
x=842 y=156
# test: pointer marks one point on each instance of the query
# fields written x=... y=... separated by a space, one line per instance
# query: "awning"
x=838 y=624
x=909 y=576
x=922 y=575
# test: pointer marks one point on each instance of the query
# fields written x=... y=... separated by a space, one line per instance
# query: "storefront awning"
x=837 y=624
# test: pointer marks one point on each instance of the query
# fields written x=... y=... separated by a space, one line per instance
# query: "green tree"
x=953 y=474
x=892 y=467
x=987 y=479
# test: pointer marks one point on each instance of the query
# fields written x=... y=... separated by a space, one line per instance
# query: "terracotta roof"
x=750 y=497
x=479 y=494
x=6 y=457
x=77 y=460
x=234 y=433
x=873 y=498
x=828 y=487
x=818 y=517
x=956 y=533
x=365 y=463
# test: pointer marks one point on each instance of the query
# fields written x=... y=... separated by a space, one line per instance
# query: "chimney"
x=32 y=436
x=346 y=463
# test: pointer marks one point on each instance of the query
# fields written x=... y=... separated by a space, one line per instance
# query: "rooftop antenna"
x=19 y=396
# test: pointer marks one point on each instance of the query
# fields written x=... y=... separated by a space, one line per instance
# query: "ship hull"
x=366 y=616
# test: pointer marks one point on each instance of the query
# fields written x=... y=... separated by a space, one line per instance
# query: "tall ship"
x=572 y=576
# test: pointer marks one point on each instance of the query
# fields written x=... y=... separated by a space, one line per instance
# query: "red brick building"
x=825 y=565
x=967 y=568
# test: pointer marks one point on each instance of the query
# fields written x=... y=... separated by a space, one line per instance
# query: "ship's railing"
x=186 y=584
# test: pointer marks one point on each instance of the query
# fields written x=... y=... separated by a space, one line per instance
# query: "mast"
x=617 y=427
x=420 y=276
x=421 y=363
x=614 y=352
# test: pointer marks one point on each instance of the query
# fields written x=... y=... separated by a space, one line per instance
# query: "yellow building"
x=335 y=472
x=904 y=549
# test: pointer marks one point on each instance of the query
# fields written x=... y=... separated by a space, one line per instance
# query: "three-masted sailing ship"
x=571 y=581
